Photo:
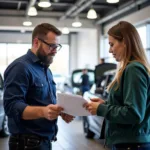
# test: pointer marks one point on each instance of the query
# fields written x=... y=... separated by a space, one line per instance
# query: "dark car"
x=76 y=79
x=3 y=118
x=95 y=125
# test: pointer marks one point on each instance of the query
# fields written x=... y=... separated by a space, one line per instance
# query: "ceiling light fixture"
x=27 y=23
x=65 y=30
x=32 y=11
x=44 y=3
x=112 y=1
x=91 y=14
x=76 y=23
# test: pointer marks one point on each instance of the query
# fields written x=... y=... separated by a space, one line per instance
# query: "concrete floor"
x=70 y=137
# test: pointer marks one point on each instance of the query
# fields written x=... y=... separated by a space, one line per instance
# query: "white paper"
x=72 y=104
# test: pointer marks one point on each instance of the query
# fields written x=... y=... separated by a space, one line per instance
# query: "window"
x=11 y=51
x=16 y=50
x=3 y=57
x=142 y=32
x=1 y=82
x=104 y=53
x=61 y=61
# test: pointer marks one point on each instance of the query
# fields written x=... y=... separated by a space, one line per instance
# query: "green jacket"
x=127 y=111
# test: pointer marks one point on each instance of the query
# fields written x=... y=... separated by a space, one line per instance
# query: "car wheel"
x=4 y=132
x=88 y=133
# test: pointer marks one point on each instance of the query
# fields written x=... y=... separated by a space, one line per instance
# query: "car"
x=76 y=79
x=3 y=118
x=95 y=125
x=60 y=81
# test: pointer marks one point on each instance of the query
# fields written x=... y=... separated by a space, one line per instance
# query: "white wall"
x=87 y=51
x=24 y=38
x=73 y=52
x=136 y=18
x=15 y=23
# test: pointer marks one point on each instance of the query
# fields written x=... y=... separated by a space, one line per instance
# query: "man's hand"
x=93 y=105
x=67 y=118
x=51 y=111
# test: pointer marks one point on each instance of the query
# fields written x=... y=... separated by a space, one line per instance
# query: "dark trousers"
x=132 y=146
x=84 y=89
x=29 y=142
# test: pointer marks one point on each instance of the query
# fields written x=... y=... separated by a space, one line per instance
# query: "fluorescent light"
x=32 y=11
x=27 y=23
x=76 y=23
x=112 y=1
x=65 y=30
x=44 y=3
x=91 y=14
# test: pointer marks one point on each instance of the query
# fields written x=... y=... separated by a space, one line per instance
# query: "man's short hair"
x=42 y=30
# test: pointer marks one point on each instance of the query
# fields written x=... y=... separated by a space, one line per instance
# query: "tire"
x=88 y=133
x=4 y=132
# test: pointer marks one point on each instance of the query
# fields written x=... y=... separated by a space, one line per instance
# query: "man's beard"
x=47 y=60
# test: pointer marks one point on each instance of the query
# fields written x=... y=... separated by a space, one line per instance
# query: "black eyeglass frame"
x=53 y=46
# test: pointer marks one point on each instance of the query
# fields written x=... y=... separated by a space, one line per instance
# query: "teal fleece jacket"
x=127 y=110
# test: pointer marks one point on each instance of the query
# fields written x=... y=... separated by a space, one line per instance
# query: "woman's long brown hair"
x=125 y=31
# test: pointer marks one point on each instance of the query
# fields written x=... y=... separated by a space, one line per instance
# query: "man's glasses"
x=52 y=46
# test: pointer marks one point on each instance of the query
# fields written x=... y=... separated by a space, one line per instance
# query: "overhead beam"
x=71 y=9
x=44 y=14
x=103 y=5
x=84 y=6
x=120 y=11
x=62 y=4
x=31 y=3
x=15 y=1
x=17 y=22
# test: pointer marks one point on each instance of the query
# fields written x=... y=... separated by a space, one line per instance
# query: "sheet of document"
x=72 y=104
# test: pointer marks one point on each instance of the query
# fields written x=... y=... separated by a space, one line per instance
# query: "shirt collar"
x=33 y=57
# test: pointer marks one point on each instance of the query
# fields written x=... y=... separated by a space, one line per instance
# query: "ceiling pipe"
x=31 y=3
x=71 y=9
x=119 y=12
x=87 y=4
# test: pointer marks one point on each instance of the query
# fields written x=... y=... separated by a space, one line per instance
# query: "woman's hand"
x=67 y=118
x=93 y=105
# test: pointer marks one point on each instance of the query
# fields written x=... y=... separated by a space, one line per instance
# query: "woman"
x=127 y=110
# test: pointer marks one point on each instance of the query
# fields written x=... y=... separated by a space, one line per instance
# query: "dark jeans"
x=84 y=89
x=132 y=146
x=29 y=142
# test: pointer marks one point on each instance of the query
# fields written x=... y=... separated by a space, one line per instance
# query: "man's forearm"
x=32 y=112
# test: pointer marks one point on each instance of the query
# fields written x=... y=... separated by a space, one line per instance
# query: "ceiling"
x=69 y=9
x=59 y=8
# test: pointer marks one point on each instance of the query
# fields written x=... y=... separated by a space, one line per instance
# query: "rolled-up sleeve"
x=16 y=83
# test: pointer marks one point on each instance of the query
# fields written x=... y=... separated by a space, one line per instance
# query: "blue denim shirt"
x=28 y=82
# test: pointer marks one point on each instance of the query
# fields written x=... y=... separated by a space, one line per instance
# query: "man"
x=102 y=61
x=30 y=93
x=85 y=85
